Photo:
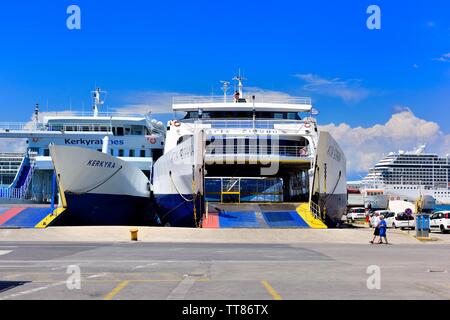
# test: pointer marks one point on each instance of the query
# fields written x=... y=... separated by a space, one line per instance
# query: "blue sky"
x=317 y=48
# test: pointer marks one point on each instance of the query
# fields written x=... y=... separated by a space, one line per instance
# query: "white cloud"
x=404 y=131
x=444 y=58
x=144 y=102
x=347 y=90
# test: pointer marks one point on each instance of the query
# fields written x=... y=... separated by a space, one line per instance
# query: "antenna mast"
x=97 y=101
x=239 y=79
x=226 y=86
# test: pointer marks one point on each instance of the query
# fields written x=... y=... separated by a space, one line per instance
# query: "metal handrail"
x=249 y=99
x=76 y=127
x=91 y=114
x=315 y=210
x=294 y=151
x=249 y=124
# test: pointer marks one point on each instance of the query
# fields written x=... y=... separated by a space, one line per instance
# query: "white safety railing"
x=248 y=99
x=286 y=151
x=66 y=127
x=250 y=124
x=315 y=210
x=108 y=114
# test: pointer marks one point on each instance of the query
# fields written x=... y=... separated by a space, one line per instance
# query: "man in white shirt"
x=375 y=222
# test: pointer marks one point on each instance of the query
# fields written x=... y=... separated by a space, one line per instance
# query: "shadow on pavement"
x=8 y=285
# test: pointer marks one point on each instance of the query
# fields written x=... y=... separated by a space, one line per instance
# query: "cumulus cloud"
x=404 y=131
x=149 y=101
x=347 y=90
x=444 y=58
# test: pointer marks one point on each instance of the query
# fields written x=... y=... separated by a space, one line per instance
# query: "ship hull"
x=106 y=210
x=329 y=186
x=175 y=211
x=100 y=189
x=174 y=192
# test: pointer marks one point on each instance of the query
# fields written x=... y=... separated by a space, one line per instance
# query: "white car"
x=356 y=214
x=440 y=220
x=400 y=220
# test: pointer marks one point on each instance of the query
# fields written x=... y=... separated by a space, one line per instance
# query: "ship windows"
x=46 y=153
x=142 y=153
x=137 y=130
x=120 y=131
x=132 y=153
x=121 y=152
x=278 y=116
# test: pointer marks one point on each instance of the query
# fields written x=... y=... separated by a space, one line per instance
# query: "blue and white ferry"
x=89 y=145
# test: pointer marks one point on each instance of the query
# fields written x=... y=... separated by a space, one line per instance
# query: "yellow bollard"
x=134 y=234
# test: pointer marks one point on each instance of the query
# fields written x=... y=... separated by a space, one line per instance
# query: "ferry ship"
x=133 y=142
x=411 y=175
x=246 y=149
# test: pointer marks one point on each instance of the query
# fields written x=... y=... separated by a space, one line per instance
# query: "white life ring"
x=177 y=123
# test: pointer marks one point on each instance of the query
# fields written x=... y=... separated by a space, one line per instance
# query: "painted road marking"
x=116 y=290
x=96 y=276
x=145 y=266
x=180 y=292
x=4 y=252
x=275 y=295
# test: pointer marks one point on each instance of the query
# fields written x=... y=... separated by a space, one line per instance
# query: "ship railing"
x=108 y=114
x=66 y=127
x=315 y=210
x=14 y=193
x=285 y=151
x=305 y=101
x=250 y=124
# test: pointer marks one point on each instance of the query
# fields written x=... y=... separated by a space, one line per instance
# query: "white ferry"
x=409 y=176
x=69 y=141
x=246 y=149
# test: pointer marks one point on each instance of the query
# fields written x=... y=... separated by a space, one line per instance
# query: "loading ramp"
x=261 y=216
x=28 y=217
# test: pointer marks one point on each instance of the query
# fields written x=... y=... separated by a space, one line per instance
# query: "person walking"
x=383 y=228
x=375 y=222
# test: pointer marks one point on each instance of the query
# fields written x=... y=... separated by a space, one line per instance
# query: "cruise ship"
x=411 y=175
x=127 y=141
x=243 y=149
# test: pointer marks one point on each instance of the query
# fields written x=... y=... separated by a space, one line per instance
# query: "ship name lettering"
x=101 y=164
